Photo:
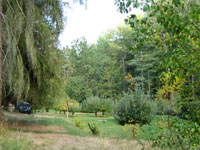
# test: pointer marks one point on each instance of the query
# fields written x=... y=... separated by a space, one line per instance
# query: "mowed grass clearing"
x=50 y=131
x=112 y=136
x=108 y=126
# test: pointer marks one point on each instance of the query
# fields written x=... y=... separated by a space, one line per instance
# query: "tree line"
x=157 y=53
x=32 y=62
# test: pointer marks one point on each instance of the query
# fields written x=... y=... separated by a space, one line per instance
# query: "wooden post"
x=67 y=109
x=0 y=58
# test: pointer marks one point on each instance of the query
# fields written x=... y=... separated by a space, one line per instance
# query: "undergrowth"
x=13 y=140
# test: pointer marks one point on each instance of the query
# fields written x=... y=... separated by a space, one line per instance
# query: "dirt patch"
x=43 y=116
x=35 y=127
x=30 y=126
x=15 y=114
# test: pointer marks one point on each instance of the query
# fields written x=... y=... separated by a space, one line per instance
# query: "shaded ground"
x=35 y=127
x=24 y=126
x=18 y=115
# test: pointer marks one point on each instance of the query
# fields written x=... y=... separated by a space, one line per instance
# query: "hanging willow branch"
x=30 y=34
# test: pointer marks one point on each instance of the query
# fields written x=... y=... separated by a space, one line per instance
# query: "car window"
x=24 y=104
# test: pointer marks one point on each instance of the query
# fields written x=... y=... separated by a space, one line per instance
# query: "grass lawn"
x=37 y=122
x=49 y=129
x=110 y=131
x=107 y=125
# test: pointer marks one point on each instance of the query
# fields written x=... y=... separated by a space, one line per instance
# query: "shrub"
x=133 y=128
x=97 y=104
x=94 y=129
x=105 y=105
x=190 y=111
x=165 y=107
x=13 y=140
x=161 y=107
x=60 y=105
x=79 y=123
x=177 y=135
x=74 y=108
x=134 y=106
x=91 y=105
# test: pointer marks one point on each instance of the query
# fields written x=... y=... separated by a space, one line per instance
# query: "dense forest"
x=149 y=66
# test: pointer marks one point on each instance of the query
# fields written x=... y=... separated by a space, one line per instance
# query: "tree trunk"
x=193 y=92
x=110 y=83
x=123 y=70
x=103 y=113
x=149 y=85
x=142 y=72
x=0 y=58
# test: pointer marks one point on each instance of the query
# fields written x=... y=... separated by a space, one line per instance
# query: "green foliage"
x=105 y=105
x=12 y=141
x=73 y=107
x=61 y=104
x=94 y=129
x=169 y=107
x=96 y=104
x=170 y=87
x=90 y=105
x=173 y=28
x=96 y=70
x=32 y=60
x=133 y=128
x=134 y=106
x=177 y=134
x=161 y=107
x=79 y=123
x=190 y=111
x=145 y=63
x=108 y=126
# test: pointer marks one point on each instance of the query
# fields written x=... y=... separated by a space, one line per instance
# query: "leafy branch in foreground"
x=177 y=134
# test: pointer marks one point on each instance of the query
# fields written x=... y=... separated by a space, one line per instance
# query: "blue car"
x=24 y=107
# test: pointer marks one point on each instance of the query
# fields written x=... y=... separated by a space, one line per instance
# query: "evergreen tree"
x=145 y=62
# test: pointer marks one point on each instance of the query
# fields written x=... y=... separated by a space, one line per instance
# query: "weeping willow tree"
x=31 y=58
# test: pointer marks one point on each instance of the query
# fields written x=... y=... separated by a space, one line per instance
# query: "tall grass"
x=12 y=140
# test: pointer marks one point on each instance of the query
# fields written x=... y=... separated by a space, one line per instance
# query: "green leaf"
x=136 y=4
x=146 y=7
x=128 y=3
x=133 y=16
x=176 y=2
x=126 y=21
